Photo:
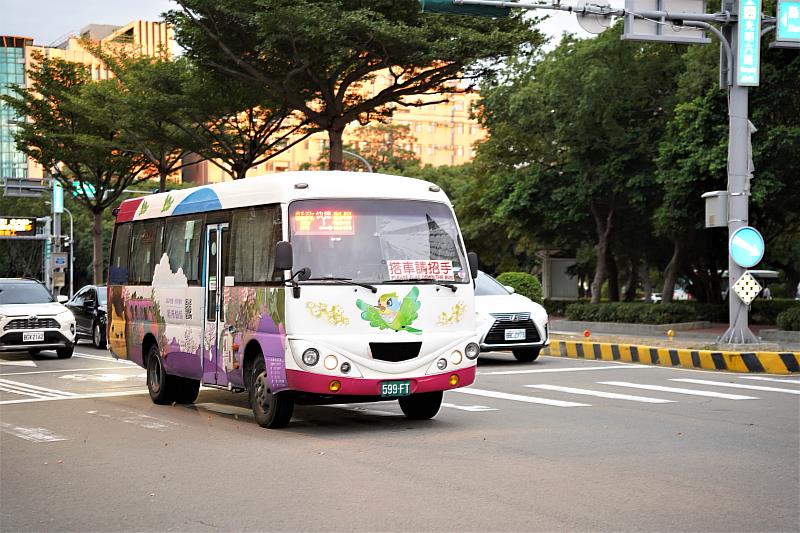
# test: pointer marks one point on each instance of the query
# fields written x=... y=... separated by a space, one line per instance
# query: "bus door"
x=214 y=268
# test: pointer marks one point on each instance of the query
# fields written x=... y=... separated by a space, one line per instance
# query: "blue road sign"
x=746 y=247
x=58 y=197
x=788 y=20
x=749 y=44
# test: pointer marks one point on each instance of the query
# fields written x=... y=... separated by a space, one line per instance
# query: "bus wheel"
x=271 y=410
x=526 y=355
x=158 y=382
x=186 y=389
x=421 y=406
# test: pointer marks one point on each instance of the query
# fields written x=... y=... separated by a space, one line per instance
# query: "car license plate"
x=32 y=336
x=515 y=334
x=395 y=388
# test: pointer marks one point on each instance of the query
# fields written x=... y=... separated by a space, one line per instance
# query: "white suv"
x=31 y=320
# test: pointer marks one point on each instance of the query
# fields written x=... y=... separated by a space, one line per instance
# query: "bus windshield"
x=377 y=241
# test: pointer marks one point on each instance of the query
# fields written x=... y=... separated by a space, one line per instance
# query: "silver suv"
x=30 y=319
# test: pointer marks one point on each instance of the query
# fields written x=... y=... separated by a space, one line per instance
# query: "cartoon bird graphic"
x=392 y=312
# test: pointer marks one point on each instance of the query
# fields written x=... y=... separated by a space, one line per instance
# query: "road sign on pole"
x=58 y=197
x=746 y=247
x=749 y=60
x=788 y=20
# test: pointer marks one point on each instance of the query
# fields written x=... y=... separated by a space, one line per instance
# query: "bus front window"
x=377 y=241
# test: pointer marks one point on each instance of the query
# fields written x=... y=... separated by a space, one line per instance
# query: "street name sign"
x=749 y=57
x=746 y=247
x=58 y=198
x=788 y=26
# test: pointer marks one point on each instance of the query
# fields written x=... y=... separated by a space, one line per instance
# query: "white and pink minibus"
x=298 y=287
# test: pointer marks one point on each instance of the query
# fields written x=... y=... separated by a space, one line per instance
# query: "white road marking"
x=678 y=390
x=518 y=397
x=737 y=385
x=78 y=397
x=103 y=378
x=469 y=408
x=600 y=394
x=137 y=419
x=25 y=388
x=777 y=380
x=62 y=371
x=17 y=363
x=225 y=409
x=31 y=434
x=103 y=358
x=548 y=370
x=362 y=410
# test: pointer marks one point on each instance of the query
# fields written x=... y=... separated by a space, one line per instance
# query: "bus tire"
x=159 y=384
x=526 y=355
x=271 y=410
x=186 y=389
x=421 y=406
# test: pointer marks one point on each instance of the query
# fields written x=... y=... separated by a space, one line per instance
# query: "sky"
x=48 y=21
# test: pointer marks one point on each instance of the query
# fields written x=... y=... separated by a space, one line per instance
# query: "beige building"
x=17 y=56
x=443 y=134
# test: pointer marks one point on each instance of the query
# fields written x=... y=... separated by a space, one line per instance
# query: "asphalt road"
x=560 y=444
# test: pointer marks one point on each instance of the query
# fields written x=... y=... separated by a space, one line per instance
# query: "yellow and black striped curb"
x=767 y=362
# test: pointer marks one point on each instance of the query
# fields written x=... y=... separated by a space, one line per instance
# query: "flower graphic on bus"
x=392 y=312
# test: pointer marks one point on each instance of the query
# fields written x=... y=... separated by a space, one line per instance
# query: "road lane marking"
x=78 y=397
x=518 y=398
x=736 y=385
x=678 y=390
x=15 y=391
x=103 y=358
x=361 y=410
x=548 y=370
x=600 y=394
x=777 y=380
x=103 y=378
x=469 y=408
x=137 y=419
x=63 y=371
x=41 y=391
x=17 y=363
x=31 y=434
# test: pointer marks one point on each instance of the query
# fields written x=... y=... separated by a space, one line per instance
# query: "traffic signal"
x=448 y=7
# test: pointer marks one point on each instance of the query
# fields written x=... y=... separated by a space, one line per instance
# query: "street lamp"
x=366 y=163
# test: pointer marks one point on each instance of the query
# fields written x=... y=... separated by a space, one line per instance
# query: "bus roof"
x=280 y=187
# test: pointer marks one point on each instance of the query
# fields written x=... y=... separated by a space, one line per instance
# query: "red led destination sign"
x=323 y=222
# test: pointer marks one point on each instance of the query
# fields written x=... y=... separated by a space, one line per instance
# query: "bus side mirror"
x=472 y=257
x=283 y=255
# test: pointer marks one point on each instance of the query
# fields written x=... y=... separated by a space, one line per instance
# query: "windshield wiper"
x=346 y=281
x=423 y=280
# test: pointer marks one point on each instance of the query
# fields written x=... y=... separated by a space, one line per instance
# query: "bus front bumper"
x=320 y=384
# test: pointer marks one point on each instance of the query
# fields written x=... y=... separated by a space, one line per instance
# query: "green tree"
x=67 y=131
x=320 y=57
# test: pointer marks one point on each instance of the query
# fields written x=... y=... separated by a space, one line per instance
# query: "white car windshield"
x=377 y=241
x=24 y=293
x=486 y=285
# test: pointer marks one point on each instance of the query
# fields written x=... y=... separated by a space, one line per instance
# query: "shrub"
x=633 y=313
x=789 y=320
x=767 y=311
x=559 y=307
x=524 y=283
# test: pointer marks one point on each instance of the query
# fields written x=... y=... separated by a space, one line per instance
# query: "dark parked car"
x=89 y=307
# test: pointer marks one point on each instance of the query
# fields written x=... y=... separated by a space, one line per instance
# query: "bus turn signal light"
x=334 y=386
x=453 y=380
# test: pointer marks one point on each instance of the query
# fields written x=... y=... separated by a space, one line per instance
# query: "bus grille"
x=394 y=352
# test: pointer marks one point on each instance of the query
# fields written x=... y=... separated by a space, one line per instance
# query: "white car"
x=509 y=321
x=30 y=319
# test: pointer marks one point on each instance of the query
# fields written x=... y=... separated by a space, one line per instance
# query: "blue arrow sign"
x=788 y=20
x=746 y=247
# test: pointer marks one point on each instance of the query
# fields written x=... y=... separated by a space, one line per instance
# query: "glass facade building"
x=13 y=163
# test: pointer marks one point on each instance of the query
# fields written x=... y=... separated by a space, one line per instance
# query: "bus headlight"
x=441 y=364
x=311 y=357
x=331 y=362
x=472 y=350
x=455 y=357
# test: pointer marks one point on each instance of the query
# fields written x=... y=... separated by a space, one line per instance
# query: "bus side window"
x=118 y=270
x=255 y=232
x=182 y=245
x=145 y=250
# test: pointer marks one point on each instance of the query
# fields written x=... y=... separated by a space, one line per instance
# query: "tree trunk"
x=633 y=280
x=603 y=227
x=671 y=274
x=162 y=181
x=335 y=155
x=97 y=247
x=613 y=278
x=647 y=285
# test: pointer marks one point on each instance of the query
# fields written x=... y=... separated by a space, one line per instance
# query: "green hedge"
x=559 y=307
x=767 y=311
x=790 y=319
x=524 y=283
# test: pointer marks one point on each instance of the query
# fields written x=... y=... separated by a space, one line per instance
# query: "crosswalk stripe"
x=518 y=397
x=600 y=394
x=679 y=390
x=41 y=391
x=737 y=385
x=777 y=380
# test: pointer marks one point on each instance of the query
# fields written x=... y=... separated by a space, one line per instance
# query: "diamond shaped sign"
x=747 y=288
